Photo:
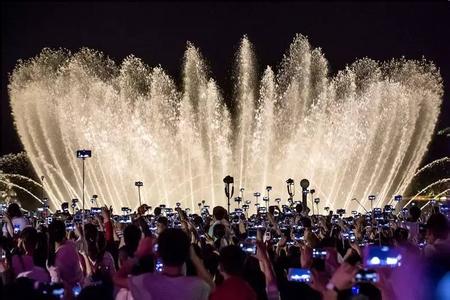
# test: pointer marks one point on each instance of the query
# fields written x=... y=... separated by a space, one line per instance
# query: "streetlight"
x=139 y=184
x=229 y=189
x=83 y=154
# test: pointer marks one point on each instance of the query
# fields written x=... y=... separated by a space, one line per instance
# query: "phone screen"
x=382 y=257
x=299 y=275
x=366 y=276
x=248 y=247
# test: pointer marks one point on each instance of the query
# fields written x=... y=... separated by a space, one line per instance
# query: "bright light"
x=375 y=260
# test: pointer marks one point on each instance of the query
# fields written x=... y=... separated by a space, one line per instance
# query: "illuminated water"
x=363 y=131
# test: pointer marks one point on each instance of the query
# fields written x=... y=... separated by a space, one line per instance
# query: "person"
x=231 y=264
x=161 y=224
x=35 y=247
x=131 y=236
x=437 y=235
x=63 y=259
x=412 y=224
x=173 y=249
x=14 y=221
x=97 y=263
x=219 y=217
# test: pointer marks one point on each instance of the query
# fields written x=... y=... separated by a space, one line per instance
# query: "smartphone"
x=248 y=247
x=366 y=275
x=76 y=290
x=299 y=275
x=319 y=253
x=251 y=233
x=70 y=227
x=382 y=257
x=159 y=265
x=3 y=255
x=16 y=228
x=84 y=153
x=58 y=292
x=96 y=210
x=49 y=220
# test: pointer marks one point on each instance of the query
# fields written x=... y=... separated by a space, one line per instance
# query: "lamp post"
x=139 y=184
x=83 y=154
x=229 y=189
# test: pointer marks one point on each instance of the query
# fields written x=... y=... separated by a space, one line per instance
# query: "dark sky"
x=157 y=33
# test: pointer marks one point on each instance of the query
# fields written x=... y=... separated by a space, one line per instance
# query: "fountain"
x=362 y=131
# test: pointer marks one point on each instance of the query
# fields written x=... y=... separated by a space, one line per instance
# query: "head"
x=173 y=247
x=414 y=213
x=132 y=235
x=219 y=213
x=29 y=239
x=14 y=211
x=400 y=236
x=231 y=261
x=105 y=213
x=161 y=224
x=57 y=231
x=437 y=228
x=219 y=231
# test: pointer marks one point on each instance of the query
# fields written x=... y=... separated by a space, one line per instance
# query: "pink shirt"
x=22 y=263
x=68 y=264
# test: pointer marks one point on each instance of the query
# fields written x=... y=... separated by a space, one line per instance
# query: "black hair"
x=232 y=259
x=414 y=212
x=219 y=231
x=131 y=237
x=219 y=213
x=173 y=246
x=438 y=225
x=56 y=233
x=14 y=211
x=163 y=220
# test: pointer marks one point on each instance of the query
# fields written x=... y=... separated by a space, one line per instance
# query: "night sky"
x=157 y=33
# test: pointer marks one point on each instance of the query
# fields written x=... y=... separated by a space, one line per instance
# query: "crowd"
x=277 y=253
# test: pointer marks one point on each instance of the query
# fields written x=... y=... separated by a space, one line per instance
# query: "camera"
x=84 y=153
x=139 y=183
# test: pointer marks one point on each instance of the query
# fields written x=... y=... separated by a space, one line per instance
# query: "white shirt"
x=19 y=222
